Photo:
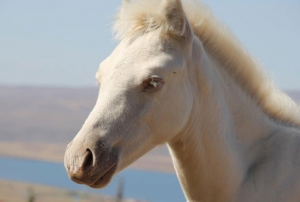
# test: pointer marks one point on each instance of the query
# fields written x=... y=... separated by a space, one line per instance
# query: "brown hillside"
x=38 y=123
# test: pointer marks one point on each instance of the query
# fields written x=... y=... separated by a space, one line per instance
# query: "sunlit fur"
x=143 y=16
x=232 y=136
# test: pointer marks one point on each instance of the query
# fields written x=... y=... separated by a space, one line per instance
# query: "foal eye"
x=152 y=84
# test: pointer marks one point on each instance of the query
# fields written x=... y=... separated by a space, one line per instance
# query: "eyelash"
x=152 y=84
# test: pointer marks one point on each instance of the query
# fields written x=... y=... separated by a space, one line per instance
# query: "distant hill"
x=51 y=117
x=43 y=114
x=48 y=114
x=39 y=122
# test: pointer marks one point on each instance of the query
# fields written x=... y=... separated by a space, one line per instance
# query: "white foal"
x=178 y=77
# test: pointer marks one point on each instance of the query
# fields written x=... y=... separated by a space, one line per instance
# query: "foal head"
x=145 y=98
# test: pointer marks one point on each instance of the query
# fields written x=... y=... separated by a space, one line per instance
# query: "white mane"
x=138 y=17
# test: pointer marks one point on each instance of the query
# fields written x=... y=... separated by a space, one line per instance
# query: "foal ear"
x=176 y=20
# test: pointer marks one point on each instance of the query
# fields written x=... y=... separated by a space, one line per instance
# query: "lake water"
x=144 y=185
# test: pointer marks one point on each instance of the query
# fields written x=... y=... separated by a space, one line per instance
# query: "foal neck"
x=211 y=154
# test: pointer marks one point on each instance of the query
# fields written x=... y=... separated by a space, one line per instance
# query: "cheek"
x=170 y=114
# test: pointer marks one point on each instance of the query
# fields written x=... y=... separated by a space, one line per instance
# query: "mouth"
x=104 y=179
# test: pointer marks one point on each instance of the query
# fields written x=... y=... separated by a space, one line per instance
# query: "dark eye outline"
x=152 y=84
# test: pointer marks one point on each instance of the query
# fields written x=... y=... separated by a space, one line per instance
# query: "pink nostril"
x=88 y=160
x=84 y=173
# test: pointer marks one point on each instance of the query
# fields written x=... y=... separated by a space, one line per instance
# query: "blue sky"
x=61 y=43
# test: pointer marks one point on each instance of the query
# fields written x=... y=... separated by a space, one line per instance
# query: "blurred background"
x=49 y=53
